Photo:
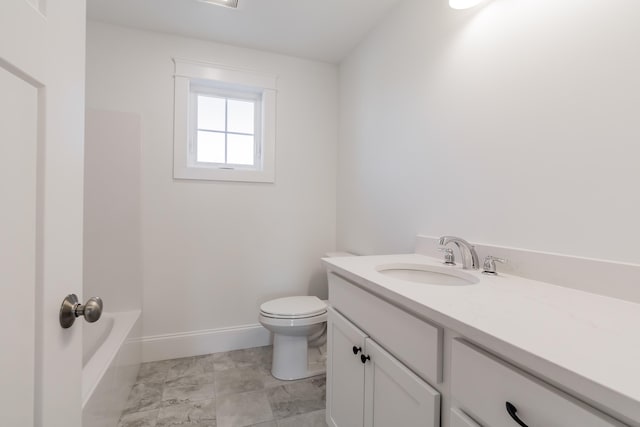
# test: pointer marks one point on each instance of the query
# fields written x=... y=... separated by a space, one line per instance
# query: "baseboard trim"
x=196 y=343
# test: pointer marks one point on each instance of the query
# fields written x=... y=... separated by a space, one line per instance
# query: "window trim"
x=222 y=79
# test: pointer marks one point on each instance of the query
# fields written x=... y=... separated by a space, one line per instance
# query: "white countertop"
x=584 y=343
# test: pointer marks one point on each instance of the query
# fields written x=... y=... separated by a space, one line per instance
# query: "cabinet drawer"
x=416 y=343
x=482 y=385
x=460 y=419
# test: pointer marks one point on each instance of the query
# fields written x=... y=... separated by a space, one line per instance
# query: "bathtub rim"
x=95 y=369
x=88 y=332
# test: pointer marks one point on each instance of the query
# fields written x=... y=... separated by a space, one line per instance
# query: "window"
x=224 y=127
x=224 y=124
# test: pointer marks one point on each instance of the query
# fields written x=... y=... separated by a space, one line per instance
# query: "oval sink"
x=428 y=274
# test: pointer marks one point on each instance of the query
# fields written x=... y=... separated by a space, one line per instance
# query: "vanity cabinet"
x=384 y=362
x=367 y=386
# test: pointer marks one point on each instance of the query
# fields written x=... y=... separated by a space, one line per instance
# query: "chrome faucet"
x=467 y=251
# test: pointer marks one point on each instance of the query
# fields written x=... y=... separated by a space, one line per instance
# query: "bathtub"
x=111 y=359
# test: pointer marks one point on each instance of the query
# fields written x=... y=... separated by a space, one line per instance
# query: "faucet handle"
x=489 y=266
x=449 y=257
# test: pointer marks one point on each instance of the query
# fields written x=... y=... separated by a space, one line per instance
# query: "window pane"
x=241 y=116
x=211 y=113
x=240 y=149
x=210 y=148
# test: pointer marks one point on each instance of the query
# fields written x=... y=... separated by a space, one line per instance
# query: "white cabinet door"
x=460 y=419
x=395 y=396
x=41 y=171
x=345 y=373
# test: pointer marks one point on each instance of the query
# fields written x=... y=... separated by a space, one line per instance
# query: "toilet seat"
x=299 y=307
x=289 y=323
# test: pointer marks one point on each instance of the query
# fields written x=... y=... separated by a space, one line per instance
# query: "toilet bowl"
x=293 y=321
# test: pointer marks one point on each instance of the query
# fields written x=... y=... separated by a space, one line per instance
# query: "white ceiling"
x=325 y=30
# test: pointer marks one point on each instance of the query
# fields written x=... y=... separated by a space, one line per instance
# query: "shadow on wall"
x=318 y=285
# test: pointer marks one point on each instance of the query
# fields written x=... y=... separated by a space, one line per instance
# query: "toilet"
x=294 y=322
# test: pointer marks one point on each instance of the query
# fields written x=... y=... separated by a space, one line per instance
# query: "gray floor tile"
x=144 y=397
x=240 y=380
x=153 y=372
x=297 y=398
x=244 y=409
x=237 y=386
x=139 y=419
x=317 y=359
x=258 y=356
x=188 y=366
x=270 y=381
x=187 y=393
x=196 y=414
x=192 y=379
x=206 y=361
x=312 y=419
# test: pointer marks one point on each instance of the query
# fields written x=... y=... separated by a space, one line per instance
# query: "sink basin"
x=428 y=274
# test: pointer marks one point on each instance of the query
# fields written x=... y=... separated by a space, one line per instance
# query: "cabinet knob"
x=364 y=358
x=356 y=349
x=511 y=410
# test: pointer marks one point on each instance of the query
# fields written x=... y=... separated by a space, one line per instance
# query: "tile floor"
x=233 y=389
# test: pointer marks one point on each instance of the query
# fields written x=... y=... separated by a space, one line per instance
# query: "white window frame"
x=193 y=78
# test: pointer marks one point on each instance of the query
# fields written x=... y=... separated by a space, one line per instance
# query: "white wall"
x=214 y=251
x=513 y=124
x=112 y=264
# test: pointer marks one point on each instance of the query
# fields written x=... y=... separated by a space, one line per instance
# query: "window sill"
x=219 y=174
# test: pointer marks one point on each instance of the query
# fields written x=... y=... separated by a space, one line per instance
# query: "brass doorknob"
x=71 y=308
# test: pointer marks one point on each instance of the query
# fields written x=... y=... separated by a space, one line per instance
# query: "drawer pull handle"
x=364 y=358
x=356 y=349
x=512 y=412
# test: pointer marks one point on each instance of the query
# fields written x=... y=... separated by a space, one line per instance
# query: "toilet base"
x=290 y=358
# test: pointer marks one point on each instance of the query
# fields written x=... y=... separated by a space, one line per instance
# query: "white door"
x=395 y=396
x=41 y=168
x=345 y=373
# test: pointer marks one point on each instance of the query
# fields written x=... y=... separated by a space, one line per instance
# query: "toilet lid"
x=292 y=307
